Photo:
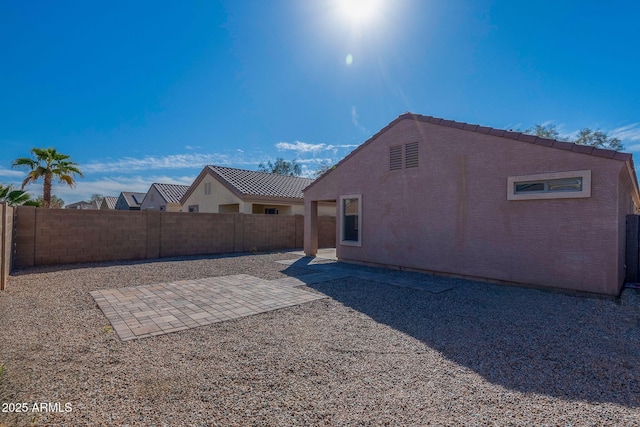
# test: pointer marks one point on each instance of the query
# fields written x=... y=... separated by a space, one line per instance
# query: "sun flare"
x=359 y=12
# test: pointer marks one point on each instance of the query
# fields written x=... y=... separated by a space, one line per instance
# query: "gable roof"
x=91 y=205
x=110 y=201
x=171 y=193
x=132 y=199
x=246 y=183
x=501 y=133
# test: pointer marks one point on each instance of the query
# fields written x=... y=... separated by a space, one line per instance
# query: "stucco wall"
x=152 y=201
x=220 y=195
x=451 y=214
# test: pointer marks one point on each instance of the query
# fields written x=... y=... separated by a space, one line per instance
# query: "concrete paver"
x=152 y=310
x=145 y=311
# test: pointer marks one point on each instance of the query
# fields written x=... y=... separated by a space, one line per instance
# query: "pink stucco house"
x=466 y=200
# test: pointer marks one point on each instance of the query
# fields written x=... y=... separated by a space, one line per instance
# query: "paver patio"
x=145 y=311
x=151 y=310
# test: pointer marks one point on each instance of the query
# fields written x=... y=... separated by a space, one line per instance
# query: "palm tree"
x=13 y=197
x=47 y=163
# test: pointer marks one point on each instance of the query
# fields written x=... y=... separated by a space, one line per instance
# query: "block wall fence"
x=6 y=241
x=60 y=236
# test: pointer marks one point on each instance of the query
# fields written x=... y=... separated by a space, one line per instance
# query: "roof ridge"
x=520 y=136
x=517 y=136
x=259 y=172
x=258 y=183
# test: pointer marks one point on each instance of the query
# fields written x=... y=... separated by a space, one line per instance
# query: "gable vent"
x=411 y=155
x=395 y=157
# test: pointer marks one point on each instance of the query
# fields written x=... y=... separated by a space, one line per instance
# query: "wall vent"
x=411 y=155
x=395 y=157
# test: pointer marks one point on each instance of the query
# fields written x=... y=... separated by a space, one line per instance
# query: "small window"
x=557 y=185
x=351 y=220
x=271 y=211
x=193 y=208
x=550 y=185
x=395 y=157
x=207 y=188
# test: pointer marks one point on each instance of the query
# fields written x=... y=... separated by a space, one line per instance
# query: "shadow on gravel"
x=525 y=340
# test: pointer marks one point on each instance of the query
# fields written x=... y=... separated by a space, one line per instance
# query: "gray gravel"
x=373 y=354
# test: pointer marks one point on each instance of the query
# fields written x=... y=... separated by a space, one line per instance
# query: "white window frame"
x=585 y=175
x=342 y=222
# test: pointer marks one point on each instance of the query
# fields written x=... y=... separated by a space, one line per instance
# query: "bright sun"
x=359 y=12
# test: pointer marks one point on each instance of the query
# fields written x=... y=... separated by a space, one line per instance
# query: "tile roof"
x=133 y=199
x=111 y=201
x=518 y=136
x=91 y=205
x=171 y=193
x=252 y=183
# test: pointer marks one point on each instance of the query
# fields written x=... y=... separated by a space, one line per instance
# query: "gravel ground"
x=373 y=354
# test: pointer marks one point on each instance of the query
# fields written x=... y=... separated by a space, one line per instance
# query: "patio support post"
x=310 y=228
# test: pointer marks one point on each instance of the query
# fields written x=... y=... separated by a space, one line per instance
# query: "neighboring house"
x=466 y=200
x=109 y=202
x=83 y=205
x=164 y=197
x=129 y=201
x=221 y=189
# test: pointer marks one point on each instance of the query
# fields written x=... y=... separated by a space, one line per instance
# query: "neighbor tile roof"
x=83 y=205
x=111 y=201
x=171 y=193
x=133 y=199
x=252 y=183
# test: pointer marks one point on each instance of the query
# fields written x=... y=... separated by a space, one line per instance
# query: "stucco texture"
x=451 y=214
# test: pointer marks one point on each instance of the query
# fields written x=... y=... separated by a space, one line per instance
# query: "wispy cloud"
x=354 y=116
x=304 y=147
x=628 y=133
x=13 y=174
x=355 y=121
x=301 y=147
x=174 y=161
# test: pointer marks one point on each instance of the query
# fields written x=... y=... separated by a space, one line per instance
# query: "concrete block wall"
x=60 y=236
x=196 y=234
x=269 y=232
x=6 y=241
x=24 y=236
x=326 y=231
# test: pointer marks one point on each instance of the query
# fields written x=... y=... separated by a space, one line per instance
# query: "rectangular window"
x=351 y=220
x=271 y=211
x=194 y=208
x=556 y=185
x=207 y=188
x=549 y=185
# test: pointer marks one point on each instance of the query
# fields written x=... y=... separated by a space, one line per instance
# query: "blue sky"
x=142 y=92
